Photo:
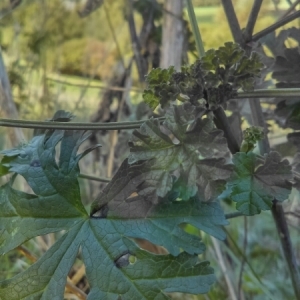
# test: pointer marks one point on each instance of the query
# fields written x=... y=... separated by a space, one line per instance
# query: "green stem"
x=95 y=178
x=252 y=19
x=195 y=28
x=72 y=125
x=234 y=215
x=222 y=123
x=276 y=25
x=232 y=21
x=270 y=93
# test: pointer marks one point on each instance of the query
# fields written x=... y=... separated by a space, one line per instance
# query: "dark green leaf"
x=185 y=144
x=56 y=205
x=256 y=182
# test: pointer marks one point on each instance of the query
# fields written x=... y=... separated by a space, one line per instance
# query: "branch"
x=221 y=122
x=292 y=8
x=276 y=25
x=233 y=21
x=112 y=30
x=269 y=93
x=91 y=177
x=195 y=28
x=234 y=215
x=286 y=244
x=277 y=210
x=136 y=47
x=252 y=19
x=100 y=87
x=72 y=125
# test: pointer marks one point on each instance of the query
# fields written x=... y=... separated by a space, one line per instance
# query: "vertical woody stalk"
x=258 y=120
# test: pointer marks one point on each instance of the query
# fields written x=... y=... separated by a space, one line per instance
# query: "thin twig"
x=276 y=25
x=136 y=46
x=243 y=260
x=112 y=30
x=292 y=214
x=100 y=87
x=252 y=19
x=284 y=236
x=95 y=178
x=224 y=268
x=195 y=28
x=292 y=8
x=238 y=250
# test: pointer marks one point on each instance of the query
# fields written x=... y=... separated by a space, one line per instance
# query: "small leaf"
x=256 y=183
x=151 y=99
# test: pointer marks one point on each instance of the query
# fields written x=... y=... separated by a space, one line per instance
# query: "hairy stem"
x=72 y=125
x=276 y=25
x=233 y=21
x=221 y=122
x=258 y=120
x=262 y=93
x=269 y=93
x=252 y=19
x=195 y=28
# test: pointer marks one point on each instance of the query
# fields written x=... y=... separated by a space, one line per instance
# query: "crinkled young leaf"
x=151 y=99
x=185 y=144
x=256 y=182
x=216 y=77
x=56 y=205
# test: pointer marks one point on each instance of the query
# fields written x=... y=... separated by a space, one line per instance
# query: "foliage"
x=256 y=182
x=103 y=238
x=251 y=135
x=215 y=78
x=171 y=185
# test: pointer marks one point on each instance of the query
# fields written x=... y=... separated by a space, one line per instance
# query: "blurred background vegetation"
x=56 y=59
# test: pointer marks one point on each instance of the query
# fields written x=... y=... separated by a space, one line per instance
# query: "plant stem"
x=269 y=93
x=276 y=25
x=277 y=210
x=292 y=7
x=195 y=28
x=262 y=93
x=95 y=178
x=221 y=122
x=286 y=244
x=233 y=21
x=233 y=215
x=72 y=125
x=258 y=120
x=252 y=19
